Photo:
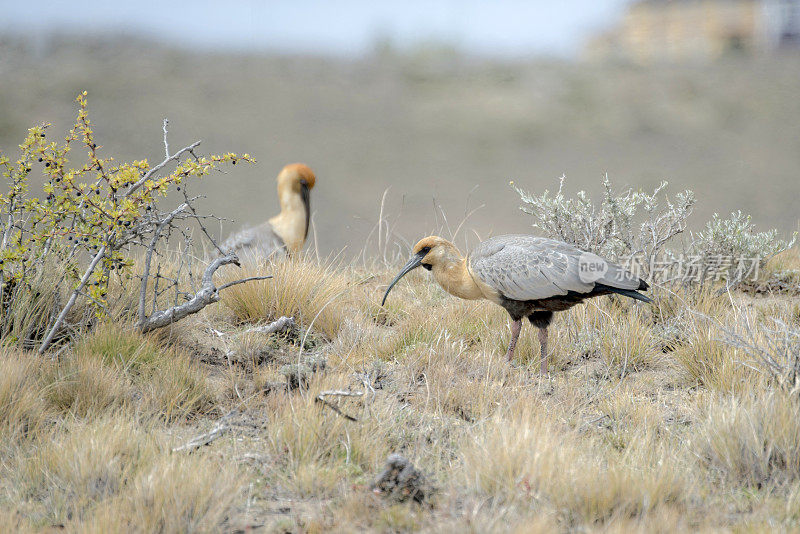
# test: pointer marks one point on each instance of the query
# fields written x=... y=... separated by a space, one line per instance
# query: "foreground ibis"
x=529 y=276
x=287 y=231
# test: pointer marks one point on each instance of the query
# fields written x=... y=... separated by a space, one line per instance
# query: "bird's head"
x=429 y=252
x=296 y=177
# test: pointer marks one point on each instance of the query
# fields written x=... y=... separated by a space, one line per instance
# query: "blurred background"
x=443 y=102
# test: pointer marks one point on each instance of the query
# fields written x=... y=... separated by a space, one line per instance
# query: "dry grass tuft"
x=314 y=293
x=627 y=344
x=112 y=368
x=160 y=500
x=26 y=314
x=526 y=459
x=709 y=361
x=82 y=385
x=113 y=475
x=164 y=376
x=754 y=440
x=22 y=409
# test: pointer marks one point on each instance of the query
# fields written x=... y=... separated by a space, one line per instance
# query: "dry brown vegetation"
x=656 y=418
x=649 y=422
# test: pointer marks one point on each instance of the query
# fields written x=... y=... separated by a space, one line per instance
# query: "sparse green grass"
x=87 y=437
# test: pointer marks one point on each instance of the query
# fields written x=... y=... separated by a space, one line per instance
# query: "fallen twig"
x=279 y=325
x=335 y=408
x=341 y=393
x=204 y=439
x=338 y=393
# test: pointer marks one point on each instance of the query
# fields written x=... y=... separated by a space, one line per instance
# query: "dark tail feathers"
x=627 y=292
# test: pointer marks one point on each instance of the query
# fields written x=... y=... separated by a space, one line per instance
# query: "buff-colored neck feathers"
x=449 y=267
x=291 y=224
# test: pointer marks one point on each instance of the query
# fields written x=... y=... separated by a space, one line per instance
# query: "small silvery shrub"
x=736 y=240
x=630 y=224
x=771 y=345
x=637 y=228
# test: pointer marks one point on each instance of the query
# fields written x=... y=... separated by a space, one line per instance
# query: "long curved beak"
x=413 y=263
x=305 y=194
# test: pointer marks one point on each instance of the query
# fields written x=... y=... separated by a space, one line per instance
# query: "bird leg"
x=516 y=326
x=543 y=343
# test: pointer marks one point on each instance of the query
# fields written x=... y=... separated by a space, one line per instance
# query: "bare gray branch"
x=208 y=294
x=71 y=302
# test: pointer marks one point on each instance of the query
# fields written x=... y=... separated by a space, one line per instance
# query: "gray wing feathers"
x=261 y=241
x=524 y=267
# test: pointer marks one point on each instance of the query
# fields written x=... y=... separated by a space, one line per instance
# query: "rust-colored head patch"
x=298 y=173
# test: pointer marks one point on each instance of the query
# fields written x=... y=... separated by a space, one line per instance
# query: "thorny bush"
x=91 y=221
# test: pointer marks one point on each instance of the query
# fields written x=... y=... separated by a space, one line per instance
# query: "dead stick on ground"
x=338 y=393
x=341 y=393
x=204 y=439
x=335 y=409
x=279 y=325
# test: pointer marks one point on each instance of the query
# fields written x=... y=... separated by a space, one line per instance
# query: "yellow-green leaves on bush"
x=97 y=209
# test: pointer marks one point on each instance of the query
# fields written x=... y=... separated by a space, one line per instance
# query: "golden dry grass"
x=312 y=292
x=752 y=440
x=649 y=422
